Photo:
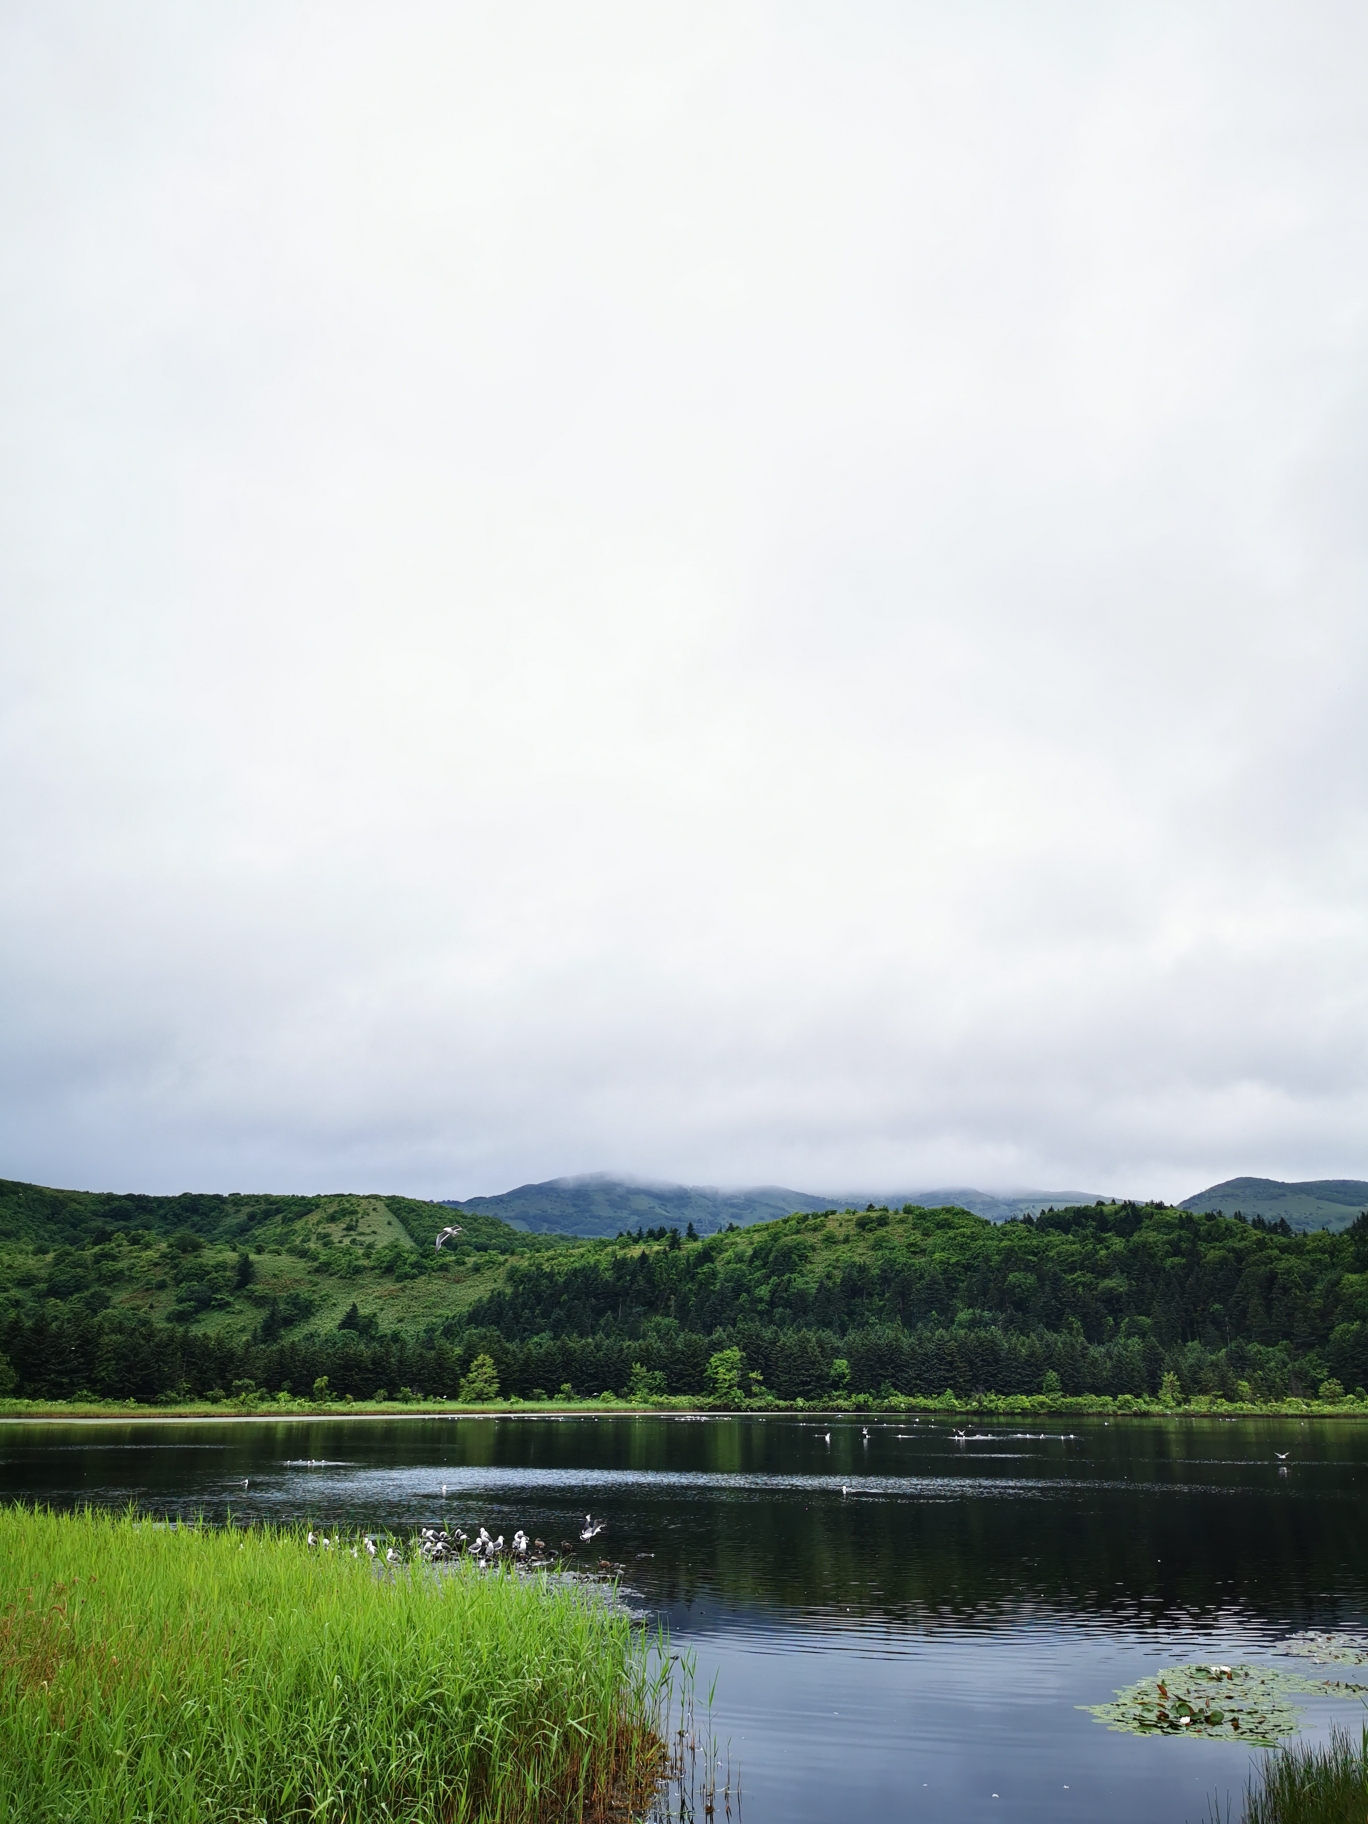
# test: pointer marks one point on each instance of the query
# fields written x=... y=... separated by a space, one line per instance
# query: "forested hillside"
x=136 y=1295
x=152 y=1298
x=1108 y=1297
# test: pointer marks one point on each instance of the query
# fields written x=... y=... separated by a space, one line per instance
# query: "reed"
x=186 y=1674
x=1313 y=1785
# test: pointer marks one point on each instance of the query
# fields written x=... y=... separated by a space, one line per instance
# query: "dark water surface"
x=913 y=1647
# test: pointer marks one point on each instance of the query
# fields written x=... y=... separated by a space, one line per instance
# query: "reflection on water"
x=903 y=1624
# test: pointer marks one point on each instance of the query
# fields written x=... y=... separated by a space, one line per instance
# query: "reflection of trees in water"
x=1108 y=1554
x=1200 y=1523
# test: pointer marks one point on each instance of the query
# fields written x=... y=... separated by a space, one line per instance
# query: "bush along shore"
x=250 y=1402
x=186 y=1673
x=986 y=1407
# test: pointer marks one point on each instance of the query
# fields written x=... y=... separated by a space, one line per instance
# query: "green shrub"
x=481 y=1380
x=642 y=1383
x=723 y=1375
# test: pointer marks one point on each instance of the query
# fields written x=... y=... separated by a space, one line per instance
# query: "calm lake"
x=902 y=1625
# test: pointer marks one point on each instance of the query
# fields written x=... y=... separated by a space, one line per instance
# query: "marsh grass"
x=187 y=1674
x=1313 y=1785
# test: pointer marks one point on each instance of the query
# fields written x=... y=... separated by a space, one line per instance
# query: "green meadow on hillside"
x=267 y=1265
x=176 y=1298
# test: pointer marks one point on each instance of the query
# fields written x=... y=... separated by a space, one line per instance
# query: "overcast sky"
x=729 y=592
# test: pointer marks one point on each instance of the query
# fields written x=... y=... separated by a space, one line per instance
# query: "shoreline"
x=992 y=1409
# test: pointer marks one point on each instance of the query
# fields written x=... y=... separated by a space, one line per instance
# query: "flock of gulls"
x=438 y=1546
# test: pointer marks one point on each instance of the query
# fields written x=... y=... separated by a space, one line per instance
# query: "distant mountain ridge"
x=1315 y=1203
x=598 y=1204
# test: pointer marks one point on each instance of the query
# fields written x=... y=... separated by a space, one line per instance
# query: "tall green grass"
x=190 y=1675
x=1313 y=1785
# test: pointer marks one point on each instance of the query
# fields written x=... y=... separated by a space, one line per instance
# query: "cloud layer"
x=732 y=592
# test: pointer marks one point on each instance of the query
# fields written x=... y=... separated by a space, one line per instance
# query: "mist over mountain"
x=600 y=1204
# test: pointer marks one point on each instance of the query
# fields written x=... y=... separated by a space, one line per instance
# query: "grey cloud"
x=729 y=598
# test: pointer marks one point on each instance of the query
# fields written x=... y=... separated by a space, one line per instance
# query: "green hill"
x=245 y=1265
x=162 y=1298
x=1318 y=1203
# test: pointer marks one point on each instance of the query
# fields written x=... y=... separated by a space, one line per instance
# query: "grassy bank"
x=181 y=1675
x=986 y=1407
x=1311 y=1785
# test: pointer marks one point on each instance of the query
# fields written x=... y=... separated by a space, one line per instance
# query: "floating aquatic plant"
x=1342 y=1648
x=1227 y=1703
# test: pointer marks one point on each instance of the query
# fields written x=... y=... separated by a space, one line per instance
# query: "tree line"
x=67 y=1353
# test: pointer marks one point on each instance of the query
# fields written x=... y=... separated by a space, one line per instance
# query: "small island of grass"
x=194 y=1673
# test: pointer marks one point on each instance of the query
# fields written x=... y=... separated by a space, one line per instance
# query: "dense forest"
x=110 y=1298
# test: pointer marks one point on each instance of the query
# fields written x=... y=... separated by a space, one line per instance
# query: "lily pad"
x=1342 y=1648
x=1240 y=1703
